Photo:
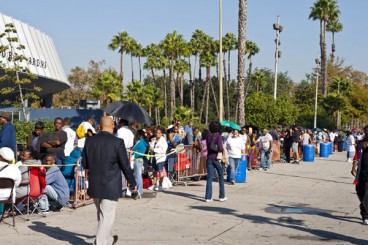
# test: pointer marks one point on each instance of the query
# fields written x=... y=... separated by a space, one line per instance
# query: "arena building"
x=43 y=60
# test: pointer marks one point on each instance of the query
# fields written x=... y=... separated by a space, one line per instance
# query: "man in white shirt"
x=266 y=156
x=72 y=137
x=127 y=135
x=88 y=127
x=8 y=170
x=332 y=139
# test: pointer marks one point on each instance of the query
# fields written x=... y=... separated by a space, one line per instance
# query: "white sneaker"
x=151 y=187
x=209 y=200
x=156 y=188
x=223 y=199
x=365 y=222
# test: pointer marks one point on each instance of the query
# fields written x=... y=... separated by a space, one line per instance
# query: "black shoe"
x=115 y=239
x=59 y=208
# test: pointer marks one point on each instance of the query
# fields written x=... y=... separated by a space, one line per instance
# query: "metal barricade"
x=190 y=165
x=80 y=195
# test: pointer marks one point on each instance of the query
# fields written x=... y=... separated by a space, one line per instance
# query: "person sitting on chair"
x=27 y=158
x=8 y=170
x=57 y=188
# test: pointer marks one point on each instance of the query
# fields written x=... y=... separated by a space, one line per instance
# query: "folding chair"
x=37 y=185
x=8 y=183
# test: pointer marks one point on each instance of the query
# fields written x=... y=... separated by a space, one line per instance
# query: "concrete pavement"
x=309 y=203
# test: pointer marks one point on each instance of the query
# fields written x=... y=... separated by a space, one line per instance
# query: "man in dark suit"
x=105 y=156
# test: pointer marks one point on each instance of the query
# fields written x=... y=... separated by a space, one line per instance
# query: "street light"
x=318 y=62
x=221 y=103
x=278 y=28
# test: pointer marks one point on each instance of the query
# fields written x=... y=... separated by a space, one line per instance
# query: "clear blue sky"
x=82 y=29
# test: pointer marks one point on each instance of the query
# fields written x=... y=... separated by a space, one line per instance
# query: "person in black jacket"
x=105 y=156
x=288 y=141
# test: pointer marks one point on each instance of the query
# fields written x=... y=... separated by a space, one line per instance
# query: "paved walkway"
x=309 y=203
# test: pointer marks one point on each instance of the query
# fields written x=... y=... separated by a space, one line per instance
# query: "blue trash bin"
x=308 y=153
x=241 y=172
x=323 y=150
x=329 y=147
x=345 y=146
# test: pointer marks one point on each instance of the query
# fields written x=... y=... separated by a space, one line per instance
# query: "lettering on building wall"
x=30 y=60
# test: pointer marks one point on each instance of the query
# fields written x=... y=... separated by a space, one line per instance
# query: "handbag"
x=213 y=145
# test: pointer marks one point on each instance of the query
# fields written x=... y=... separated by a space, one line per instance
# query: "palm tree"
x=138 y=52
x=342 y=86
x=322 y=11
x=152 y=52
x=252 y=49
x=172 y=46
x=333 y=26
x=242 y=19
x=118 y=42
x=208 y=59
x=131 y=46
x=181 y=66
x=196 y=48
x=259 y=79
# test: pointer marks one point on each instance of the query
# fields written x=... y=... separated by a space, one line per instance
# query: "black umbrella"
x=128 y=111
x=114 y=106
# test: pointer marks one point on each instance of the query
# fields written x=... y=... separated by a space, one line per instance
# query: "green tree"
x=184 y=114
x=131 y=48
x=196 y=48
x=333 y=26
x=323 y=10
x=119 y=42
x=172 y=46
x=107 y=87
x=208 y=58
x=228 y=44
x=17 y=76
x=81 y=81
x=252 y=49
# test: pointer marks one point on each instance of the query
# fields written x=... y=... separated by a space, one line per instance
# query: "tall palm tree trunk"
x=208 y=79
x=182 y=89
x=227 y=90
x=153 y=76
x=165 y=94
x=121 y=71
x=333 y=48
x=194 y=83
x=172 y=89
x=241 y=60
x=228 y=65
x=140 y=69
x=131 y=65
x=214 y=98
x=203 y=100
x=324 y=60
x=249 y=75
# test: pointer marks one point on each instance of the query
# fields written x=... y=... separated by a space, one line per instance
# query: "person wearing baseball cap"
x=7 y=133
x=8 y=170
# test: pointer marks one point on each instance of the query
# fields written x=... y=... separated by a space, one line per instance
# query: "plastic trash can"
x=241 y=172
x=308 y=153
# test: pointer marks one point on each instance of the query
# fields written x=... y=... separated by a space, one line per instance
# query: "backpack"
x=81 y=133
x=213 y=145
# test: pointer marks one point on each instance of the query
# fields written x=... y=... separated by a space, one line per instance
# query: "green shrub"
x=23 y=129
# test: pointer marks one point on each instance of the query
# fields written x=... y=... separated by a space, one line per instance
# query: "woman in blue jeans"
x=212 y=163
x=236 y=150
x=139 y=149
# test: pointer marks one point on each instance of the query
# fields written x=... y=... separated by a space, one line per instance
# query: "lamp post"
x=278 y=28
x=221 y=103
x=318 y=62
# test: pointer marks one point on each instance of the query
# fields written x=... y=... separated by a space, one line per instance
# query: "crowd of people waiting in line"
x=151 y=148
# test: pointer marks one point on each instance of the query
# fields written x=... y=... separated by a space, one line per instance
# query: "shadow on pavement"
x=59 y=234
x=286 y=222
x=186 y=195
x=282 y=209
x=303 y=177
